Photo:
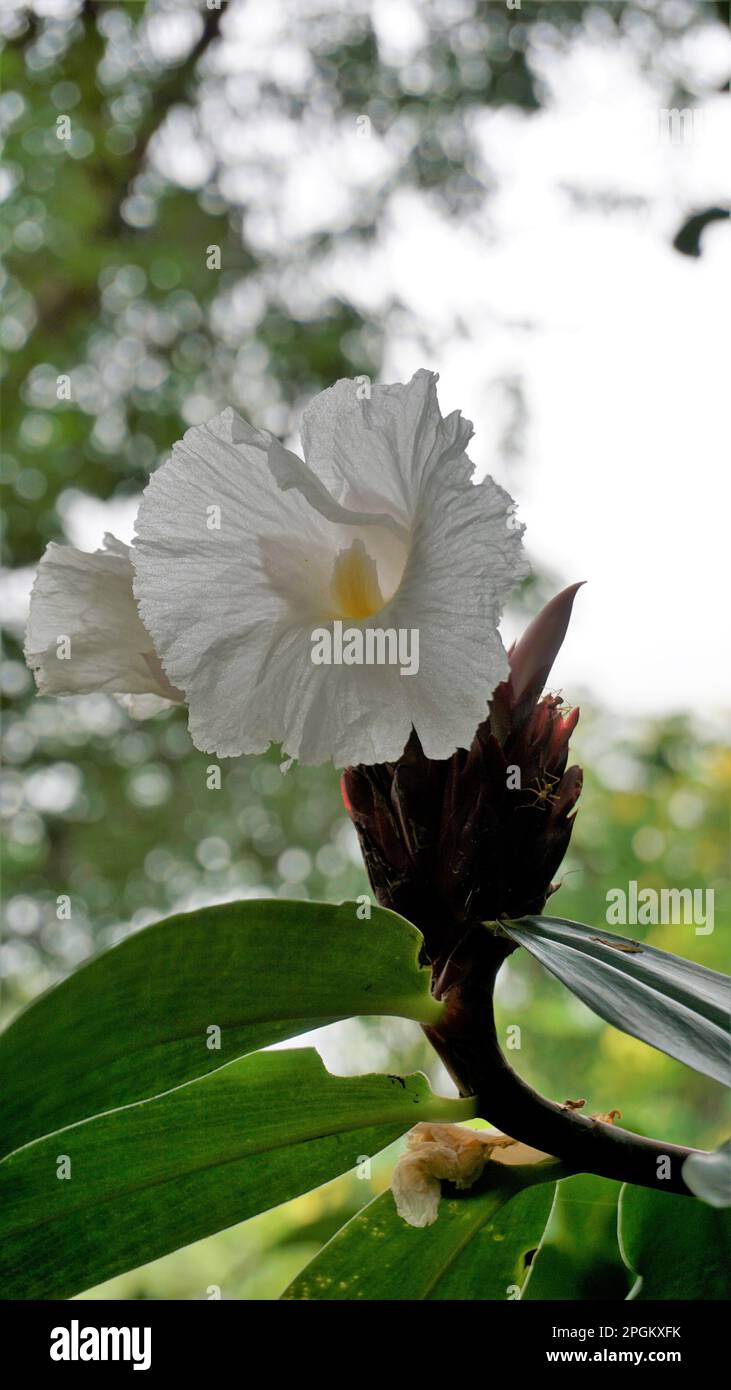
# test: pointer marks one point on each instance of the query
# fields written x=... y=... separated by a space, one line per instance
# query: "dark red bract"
x=480 y=835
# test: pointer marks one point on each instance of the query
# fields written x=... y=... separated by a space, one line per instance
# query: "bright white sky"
x=625 y=479
x=622 y=345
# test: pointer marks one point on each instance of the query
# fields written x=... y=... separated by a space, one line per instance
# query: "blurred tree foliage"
x=106 y=238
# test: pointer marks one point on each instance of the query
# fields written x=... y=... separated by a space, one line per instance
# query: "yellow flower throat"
x=354 y=583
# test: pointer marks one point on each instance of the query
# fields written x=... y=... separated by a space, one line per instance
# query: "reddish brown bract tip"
x=533 y=655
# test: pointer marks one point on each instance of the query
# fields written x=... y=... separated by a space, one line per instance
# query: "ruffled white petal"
x=377 y=451
x=226 y=563
x=464 y=560
x=84 y=633
x=240 y=547
x=465 y=552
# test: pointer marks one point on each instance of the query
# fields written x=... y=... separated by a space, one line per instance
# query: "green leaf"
x=150 y=1177
x=579 y=1257
x=678 y=1247
x=135 y=1021
x=709 y=1176
x=476 y=1248
x=673 y=1004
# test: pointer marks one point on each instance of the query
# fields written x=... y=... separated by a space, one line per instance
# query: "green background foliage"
x=105 y=279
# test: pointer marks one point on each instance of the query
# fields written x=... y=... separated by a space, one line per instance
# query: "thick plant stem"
x=466 y=1040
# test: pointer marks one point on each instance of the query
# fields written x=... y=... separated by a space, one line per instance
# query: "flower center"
x=354 y=583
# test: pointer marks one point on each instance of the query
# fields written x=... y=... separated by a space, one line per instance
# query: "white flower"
x=244 y=550
x=254 y=566
x=84 y=631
